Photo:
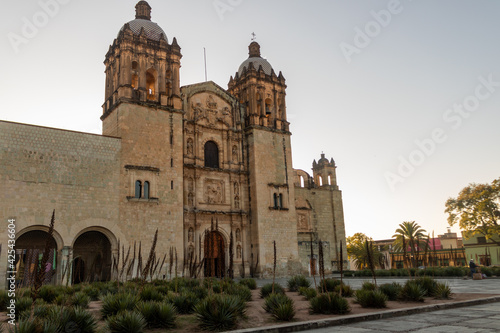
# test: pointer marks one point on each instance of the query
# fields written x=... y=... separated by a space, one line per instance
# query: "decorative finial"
x=254 y=36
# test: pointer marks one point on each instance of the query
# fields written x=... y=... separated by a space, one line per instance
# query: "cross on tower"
x=254 y=36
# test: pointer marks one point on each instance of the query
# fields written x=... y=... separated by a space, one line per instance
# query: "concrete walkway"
x=479 y=318
x=469 y=316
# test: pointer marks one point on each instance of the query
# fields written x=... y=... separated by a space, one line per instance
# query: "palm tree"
x=411 y=234
x=357 y=251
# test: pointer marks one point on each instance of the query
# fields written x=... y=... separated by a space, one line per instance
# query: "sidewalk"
x=450 y=317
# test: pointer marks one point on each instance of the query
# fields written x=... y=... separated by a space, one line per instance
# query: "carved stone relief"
x=214 y=191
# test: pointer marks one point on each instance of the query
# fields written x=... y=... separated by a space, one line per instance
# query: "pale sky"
x=404 y=95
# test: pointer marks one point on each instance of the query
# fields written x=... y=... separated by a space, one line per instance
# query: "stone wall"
x=42 y=169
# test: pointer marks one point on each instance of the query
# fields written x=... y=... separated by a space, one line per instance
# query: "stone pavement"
x=478 y=318
x=469 y=317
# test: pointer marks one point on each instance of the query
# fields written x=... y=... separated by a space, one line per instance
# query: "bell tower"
x=324 y=172
x=141 y=66
x=261 y=91
x=272 y=197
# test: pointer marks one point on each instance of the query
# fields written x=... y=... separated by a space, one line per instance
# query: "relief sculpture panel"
x=214 y=191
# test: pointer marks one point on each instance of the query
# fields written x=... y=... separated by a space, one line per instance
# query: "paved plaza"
x=476 y=318
x=479 y=318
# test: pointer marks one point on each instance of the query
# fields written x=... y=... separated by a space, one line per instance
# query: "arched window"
x=268 y=107
x=211 y=155
x=320 y=180
x=151 y=84
x=275 y=200
x=135 y=77
x=301 y=181
x=329 y=180
x=138 y=189
x=146 y=190
x=280 y=198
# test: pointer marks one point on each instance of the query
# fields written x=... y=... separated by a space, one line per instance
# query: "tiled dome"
x=257 y=61
x=153 y=30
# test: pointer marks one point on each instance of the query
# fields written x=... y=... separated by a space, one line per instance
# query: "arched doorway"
x=91 y=258
x=29 y=252
x=215 y=263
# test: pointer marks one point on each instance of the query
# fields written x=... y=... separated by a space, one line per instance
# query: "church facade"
x=196 y=163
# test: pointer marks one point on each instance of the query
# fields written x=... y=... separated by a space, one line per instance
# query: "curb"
x=349 y=319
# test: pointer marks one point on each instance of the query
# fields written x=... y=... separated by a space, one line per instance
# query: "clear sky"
x=404 y=95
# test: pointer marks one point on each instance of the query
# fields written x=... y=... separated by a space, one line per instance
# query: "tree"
x=410 y=234
x=358 y=251
x=477 y=209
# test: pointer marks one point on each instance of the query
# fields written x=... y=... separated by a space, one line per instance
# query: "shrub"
x=66 y=319
x=329 y=303
x=368 y=286
x=280 y=307
x=158 y=315
x=113 y=304
x=26 y=326
x=371 y=298
x=328 y=284
x=297 y=281
x=427 y=283
x=412 y=291
x=92 y=292
x=308 y=293
x=48 y=293
x=80 y=299
x=442 y=291
x=239 y=290
x=126 y=322
x=219 y=312
x=347 y=291
x=4 y=300
x=267 y=289
x=250 y=283
x=149 y=293
x=199 y=291
x=391 y=290
x=185 y=302
x=22 y=304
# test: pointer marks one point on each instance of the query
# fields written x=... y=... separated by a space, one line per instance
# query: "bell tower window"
x=151 y=84
x=211 y=155
x=146 y=190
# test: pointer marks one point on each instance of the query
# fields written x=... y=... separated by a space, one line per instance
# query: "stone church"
x=174 y=159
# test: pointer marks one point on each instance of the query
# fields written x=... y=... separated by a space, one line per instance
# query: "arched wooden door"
x=214 y=255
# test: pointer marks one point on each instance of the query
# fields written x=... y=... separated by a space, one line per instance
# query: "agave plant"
x=219 y=312
x=113 y=304
x=280 y=307
x=297 y=281
x=158 y=315
x=126 y=322
x=329 y=303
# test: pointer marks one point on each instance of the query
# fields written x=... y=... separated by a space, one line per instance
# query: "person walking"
x=472 y=267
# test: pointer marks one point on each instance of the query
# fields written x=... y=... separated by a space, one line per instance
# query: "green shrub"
x=412 y=291
x=219 y=312
x=371 y=298
x=250 y=283
x=329 y=303
x=267 y=289
x=26 y=326
x=487 y=271
x=328 y=284
x=427 y=283
x=442 y=291
x=391 y=290
x=80 y=299
x=347 y=291
x=368 y=286
x=158 y=315
x=40 y=311
x=297 y=281
x=280 y=307
x=308 y=293
x=199 y=291
x=149 y=293
x=455 y=271
x=495 y=270
x=48 y=293
x=113 y=304
x=239 y=290
x=126 y=322
x=92 y=292
x=348 y=273
x=4 y=300
x=22 y=304
x=65 y=319
x=185 y=302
